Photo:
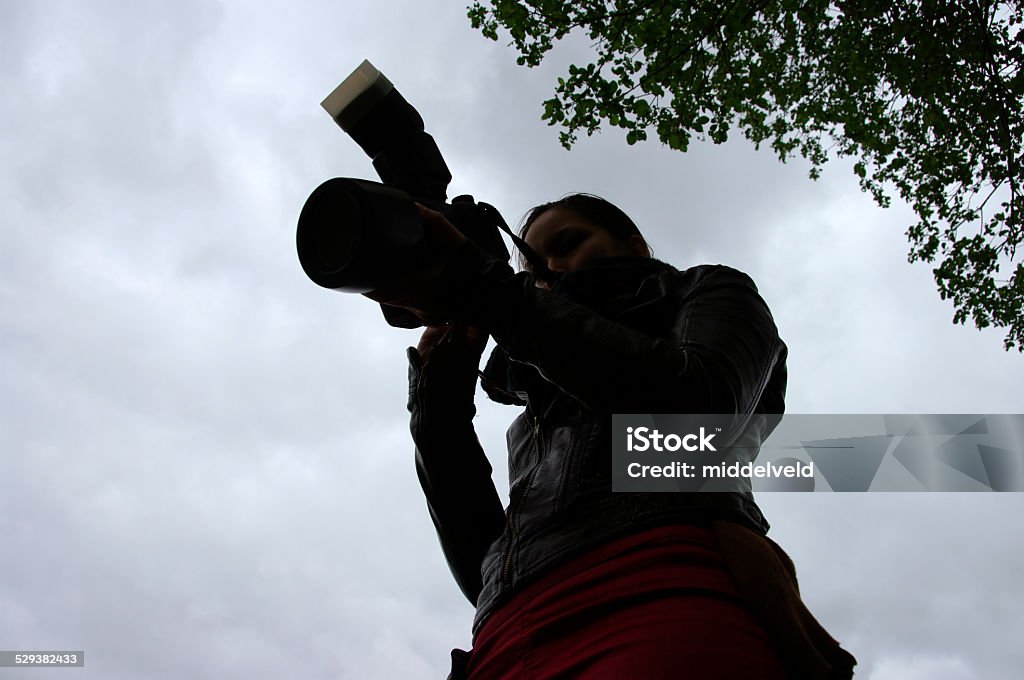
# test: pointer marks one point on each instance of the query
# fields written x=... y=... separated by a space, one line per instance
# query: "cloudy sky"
x=206 y=468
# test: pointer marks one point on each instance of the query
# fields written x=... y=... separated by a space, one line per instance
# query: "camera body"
x=355 y=235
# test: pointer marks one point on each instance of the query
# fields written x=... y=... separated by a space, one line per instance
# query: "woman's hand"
x=460 y=338
x=418 y=292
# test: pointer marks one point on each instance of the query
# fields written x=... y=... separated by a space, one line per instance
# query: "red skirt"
x=655 y=605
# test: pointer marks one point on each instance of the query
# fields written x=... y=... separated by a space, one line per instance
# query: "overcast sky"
x=206 y=467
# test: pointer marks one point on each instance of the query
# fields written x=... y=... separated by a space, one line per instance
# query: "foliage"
x=927 y=97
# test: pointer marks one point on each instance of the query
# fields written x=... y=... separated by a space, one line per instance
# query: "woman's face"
x=568 y=241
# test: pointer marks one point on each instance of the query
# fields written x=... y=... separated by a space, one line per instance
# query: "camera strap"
x=537 y=264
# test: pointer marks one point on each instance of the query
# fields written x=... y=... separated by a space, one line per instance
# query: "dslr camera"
x=356 y=235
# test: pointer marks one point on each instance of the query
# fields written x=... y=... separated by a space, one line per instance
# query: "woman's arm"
x=452 y=467
x=720 y=351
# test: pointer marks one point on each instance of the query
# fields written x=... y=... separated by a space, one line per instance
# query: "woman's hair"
x=594 y=208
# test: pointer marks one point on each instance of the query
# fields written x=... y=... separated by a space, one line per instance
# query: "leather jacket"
x=627 y=335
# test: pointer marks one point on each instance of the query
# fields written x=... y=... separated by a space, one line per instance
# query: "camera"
x=356 y=235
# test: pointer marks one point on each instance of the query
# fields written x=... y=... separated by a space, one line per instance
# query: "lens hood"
x=355 y=235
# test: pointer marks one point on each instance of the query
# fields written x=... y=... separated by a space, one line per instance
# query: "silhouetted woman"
x=571 y=580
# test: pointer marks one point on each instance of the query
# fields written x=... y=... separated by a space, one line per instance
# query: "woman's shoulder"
x=711 y=273
x=666 y=283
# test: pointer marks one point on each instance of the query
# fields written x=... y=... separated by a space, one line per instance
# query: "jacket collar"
x=609 y=287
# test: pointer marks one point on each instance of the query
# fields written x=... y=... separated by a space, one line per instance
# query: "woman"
x=572 y=580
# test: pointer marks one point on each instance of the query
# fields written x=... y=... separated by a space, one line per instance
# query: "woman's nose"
x=556 y=264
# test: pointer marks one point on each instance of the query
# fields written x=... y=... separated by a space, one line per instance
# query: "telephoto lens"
x=355 y=235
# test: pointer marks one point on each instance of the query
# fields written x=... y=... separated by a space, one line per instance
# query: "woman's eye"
x=567 y=243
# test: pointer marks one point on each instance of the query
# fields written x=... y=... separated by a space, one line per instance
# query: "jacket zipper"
x=513 y=527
